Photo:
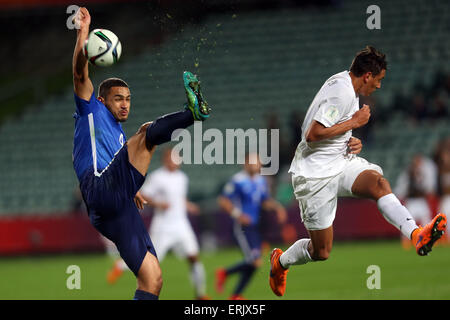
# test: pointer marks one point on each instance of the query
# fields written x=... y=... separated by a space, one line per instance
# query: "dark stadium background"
x=260 y=63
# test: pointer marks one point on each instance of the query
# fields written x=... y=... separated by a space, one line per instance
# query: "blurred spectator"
x=443 y=162
x=438 y=108
x=417 y=186
x=419 y=107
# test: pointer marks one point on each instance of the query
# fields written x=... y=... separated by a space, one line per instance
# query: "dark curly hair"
x=368 y=59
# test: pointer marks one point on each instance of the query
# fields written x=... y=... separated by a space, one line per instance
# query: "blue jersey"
x=247 y=193
x=98 y=136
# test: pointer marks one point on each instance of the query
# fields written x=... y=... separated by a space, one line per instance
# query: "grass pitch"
x=403 y=275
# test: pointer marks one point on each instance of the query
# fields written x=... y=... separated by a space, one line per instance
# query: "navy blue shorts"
x=109 y=197
x=249 y=240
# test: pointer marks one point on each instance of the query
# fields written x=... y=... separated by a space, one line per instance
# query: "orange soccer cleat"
x=114 y=274
x=425 y=237
x=277 y=278
x=237 y=297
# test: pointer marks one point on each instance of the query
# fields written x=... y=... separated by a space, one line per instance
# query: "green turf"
x=404 y=275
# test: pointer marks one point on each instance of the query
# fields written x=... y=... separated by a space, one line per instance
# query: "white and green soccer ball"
x=102 y=48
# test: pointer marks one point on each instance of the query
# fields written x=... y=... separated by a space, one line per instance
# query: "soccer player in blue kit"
x=243 y=198
x=112 y=169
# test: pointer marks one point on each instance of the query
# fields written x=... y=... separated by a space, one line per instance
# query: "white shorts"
x=317 y=197
x=181 y=240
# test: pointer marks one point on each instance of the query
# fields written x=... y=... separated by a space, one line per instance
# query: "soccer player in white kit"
x=166 y=190
x=326 y=166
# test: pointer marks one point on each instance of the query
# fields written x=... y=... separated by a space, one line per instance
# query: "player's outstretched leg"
x=151 y=134
x=373 y=185
x=196 y=109
x=425 y=237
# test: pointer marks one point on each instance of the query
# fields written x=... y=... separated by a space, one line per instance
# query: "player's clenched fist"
x=82 y=18
x=361 y=117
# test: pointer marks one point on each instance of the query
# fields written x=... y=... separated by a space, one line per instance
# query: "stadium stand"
x=250 y=63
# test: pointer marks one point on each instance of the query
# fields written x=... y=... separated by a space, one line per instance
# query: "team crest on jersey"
x=121 y=139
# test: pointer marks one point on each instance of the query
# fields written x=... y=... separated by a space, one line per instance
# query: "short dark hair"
x=368 y=59
x=107 y=84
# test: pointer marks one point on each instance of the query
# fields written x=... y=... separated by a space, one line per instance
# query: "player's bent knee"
x=143 y=128
x=382 y=187
x=153 y=283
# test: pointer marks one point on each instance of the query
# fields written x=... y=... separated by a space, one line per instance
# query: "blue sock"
x=144 y=295
x=246 y=275
x=160 y=131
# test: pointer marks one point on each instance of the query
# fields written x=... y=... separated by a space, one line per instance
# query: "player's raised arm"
x=82 y=84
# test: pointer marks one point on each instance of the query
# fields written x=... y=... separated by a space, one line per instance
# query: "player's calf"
x=320 y=254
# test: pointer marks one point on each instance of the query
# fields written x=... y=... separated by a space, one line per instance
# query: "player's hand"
x=244 y=219
x=361 y=117
x=354 y=145
x=139 y=201
x=82 y=19
x=162 y=205
x=192 y=208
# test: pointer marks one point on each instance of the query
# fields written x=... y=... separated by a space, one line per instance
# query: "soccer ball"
x=102 y=48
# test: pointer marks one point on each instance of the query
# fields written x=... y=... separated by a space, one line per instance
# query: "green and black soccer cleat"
x=196 y=103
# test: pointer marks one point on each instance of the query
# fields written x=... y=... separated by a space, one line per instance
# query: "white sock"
x=296 y=254
x=396 y=214
x=122 y=265
x=198 y=278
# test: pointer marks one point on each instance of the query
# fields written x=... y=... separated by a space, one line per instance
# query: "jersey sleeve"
x=334 y=106
x=331 y=111
x=85 y=107
x=230 y=190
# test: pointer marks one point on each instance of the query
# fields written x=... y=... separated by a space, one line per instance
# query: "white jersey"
x=170 y=187
x=335 y=102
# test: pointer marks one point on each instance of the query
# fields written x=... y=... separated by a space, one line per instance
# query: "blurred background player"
x=326 y=166
x=165 y=189
x=111 y=169
x=417 y=186
x=243 y=198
